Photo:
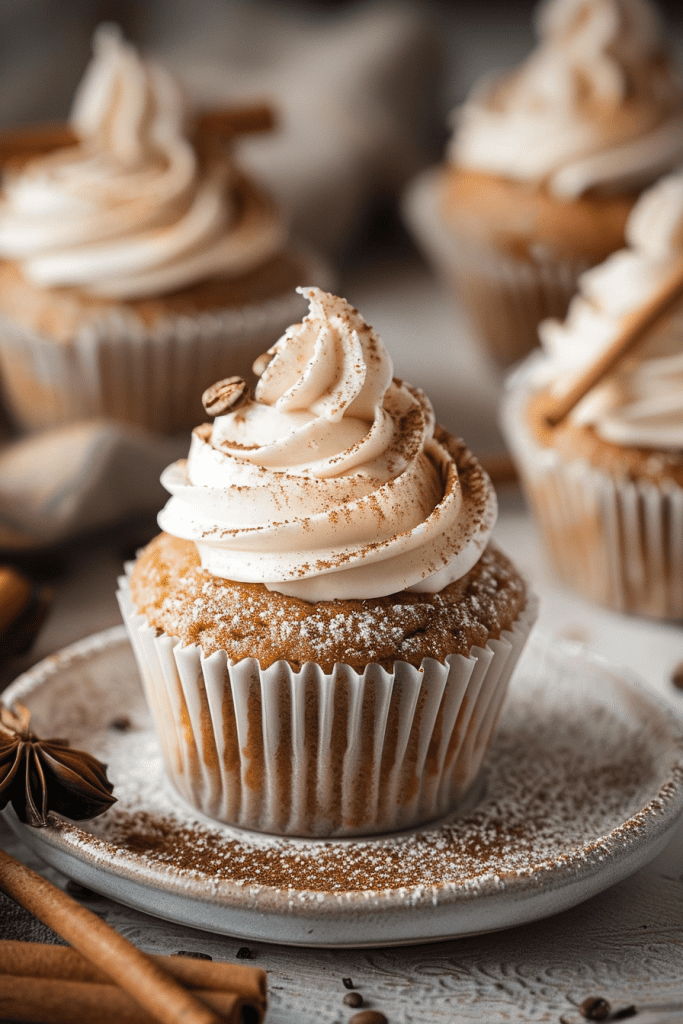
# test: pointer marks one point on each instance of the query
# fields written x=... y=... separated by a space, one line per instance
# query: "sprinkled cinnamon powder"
x=564 y=785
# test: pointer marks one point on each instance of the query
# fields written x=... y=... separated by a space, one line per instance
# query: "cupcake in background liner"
x=138 y=263
x=545 y=165
x=324 y=632
x=606 y=484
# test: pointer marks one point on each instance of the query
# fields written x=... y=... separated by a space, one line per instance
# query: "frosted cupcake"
x=324 y=631
x=139 y=264
x=607 y=483
x=546 y=163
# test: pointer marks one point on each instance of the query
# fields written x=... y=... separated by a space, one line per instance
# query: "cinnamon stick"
x=15 y=593
x=50 y=1001
x=150 y=985
x=25 y=142
x=222 y=123
x=635 y=328
x=39 y=960
x=229 y=121
x=500 y=468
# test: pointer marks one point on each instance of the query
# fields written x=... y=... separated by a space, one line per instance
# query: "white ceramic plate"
x=582 y=787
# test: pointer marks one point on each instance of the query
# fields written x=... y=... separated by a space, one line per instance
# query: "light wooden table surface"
x=625 y=944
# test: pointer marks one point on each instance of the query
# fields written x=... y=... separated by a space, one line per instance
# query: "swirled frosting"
x=330 y=484
x=641 y=403
x=131 y=210
x=597 y=105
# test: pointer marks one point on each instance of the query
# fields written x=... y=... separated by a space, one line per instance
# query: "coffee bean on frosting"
x=353 y=999
x=225 y=395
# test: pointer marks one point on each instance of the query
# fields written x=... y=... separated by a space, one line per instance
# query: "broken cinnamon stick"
x=51 y=1001
x=222 y=123
x=39 y=960
x=500 y=468
x=150 y=985
x=635 y=328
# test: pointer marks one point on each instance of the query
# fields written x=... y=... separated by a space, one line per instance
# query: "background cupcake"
x=138 y=262
x=546 y=163
x=324 y=633
x=607 y=483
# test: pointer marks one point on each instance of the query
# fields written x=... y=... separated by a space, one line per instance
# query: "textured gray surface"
x=623 y=944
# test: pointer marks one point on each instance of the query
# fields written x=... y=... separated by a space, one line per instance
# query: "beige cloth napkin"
x=61 y=483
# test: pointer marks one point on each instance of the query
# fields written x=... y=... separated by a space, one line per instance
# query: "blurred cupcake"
x=546 y=164
x=607 y=483
x=138 y=264
x=324 y=632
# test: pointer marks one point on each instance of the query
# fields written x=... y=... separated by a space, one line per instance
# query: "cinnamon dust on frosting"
x=598 y=105
x=133 y=209
x=333 y=483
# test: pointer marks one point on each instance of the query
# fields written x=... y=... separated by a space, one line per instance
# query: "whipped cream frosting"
x=597 y=105
x=330 y=484
x=131 y=210
x=641 y=403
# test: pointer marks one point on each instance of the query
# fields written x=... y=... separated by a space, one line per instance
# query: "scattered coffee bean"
x=226 y=394
x=595 y=1008
x=677 y=676
x=368 y=1017
x=347 y=982
x=624 y=1012
x=191 y=953
x=244 y=953
x=121 y=724
x=353 y=999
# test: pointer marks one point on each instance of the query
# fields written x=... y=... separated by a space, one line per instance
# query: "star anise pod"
x=38 y=776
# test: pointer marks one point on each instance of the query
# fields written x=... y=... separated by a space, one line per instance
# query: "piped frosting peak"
x=597 y=105
x=330 y=483
x=131 y=210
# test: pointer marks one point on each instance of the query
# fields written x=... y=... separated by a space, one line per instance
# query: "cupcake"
x=607 y=482
x=138 y=263
x=324 y=631
x=546 y=163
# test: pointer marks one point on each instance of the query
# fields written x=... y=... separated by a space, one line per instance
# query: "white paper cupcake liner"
x=617 y=541
x=505 y=298
x=153 y=377
x=313 y=754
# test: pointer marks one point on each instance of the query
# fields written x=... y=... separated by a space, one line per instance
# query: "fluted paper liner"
x=313 y=754
x=151 y=376
x=504 y=297
x=617 y=541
